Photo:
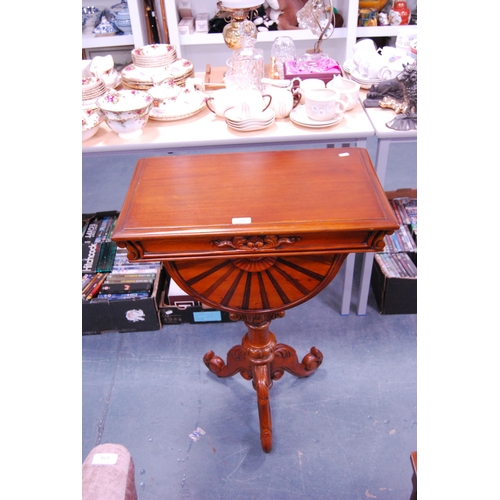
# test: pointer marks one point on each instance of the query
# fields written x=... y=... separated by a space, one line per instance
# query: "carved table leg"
x=260 y=359
x=236 y=362
x=262 y=384
x=285 y=358
x=259 y=343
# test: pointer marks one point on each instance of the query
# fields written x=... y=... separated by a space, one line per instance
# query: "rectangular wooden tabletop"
x=330 y=198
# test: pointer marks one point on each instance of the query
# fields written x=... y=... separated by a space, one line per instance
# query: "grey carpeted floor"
x=345 y=433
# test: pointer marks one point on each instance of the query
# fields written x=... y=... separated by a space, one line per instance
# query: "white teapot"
x=282 y=93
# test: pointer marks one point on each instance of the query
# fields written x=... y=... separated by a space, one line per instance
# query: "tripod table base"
x=260 y=359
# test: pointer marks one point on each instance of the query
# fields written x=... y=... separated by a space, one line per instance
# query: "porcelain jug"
x=283 y=100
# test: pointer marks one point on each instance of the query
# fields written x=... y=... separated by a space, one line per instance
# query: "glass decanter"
x=246 y=66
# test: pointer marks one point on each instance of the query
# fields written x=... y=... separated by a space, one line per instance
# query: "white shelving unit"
x=210 y=48
x=139 y=35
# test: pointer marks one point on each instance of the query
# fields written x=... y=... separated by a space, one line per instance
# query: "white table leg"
x=381 y=159
x=347 y=292
x=366 y=274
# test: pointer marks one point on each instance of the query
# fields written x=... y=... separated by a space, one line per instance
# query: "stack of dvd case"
x=97 y=248
x=129 y=280
x=106 y=271
x=116 y=294
x=396 y=265
x=394 y=275
x=395 y=259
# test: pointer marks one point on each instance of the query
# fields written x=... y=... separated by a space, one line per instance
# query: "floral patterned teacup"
x=324 y=104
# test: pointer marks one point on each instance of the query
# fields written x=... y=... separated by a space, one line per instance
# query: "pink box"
x=326 y=69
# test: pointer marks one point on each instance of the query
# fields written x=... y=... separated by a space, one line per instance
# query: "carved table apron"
x=255 y=234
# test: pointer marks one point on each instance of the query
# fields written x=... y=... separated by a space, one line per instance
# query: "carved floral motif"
x=256 y=243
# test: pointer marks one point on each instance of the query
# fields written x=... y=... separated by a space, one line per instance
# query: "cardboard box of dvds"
x=395 y=295
x=127 y=315
x=175 y=310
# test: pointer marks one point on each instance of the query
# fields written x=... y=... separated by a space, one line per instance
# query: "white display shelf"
x=138 y=38
x=90 y=41
x=375 y=31
x=264 y=36
x=203 y=48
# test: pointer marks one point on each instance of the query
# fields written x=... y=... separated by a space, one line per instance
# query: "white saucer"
x=299 y=117
x=232 y=115
x=348 y=65
x=246 y=123
x=249 y=123
x=175 y=110
x=250 y=127
x=261 y=121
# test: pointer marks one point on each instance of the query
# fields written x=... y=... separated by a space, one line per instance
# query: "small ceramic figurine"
x=104 y=28
x=383 y=19
x=399 y=14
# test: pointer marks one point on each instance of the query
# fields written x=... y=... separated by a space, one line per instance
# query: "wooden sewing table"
x=255 y=234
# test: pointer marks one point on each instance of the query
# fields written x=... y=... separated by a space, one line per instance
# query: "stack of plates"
x=154 y=56
x=299 y=117
x=233 y=120
x=364 y=83
x=143 y=78
x=92 y=88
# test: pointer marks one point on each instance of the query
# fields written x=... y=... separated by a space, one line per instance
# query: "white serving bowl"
x=87 y=133
x=126 y=111
x=91 y=119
